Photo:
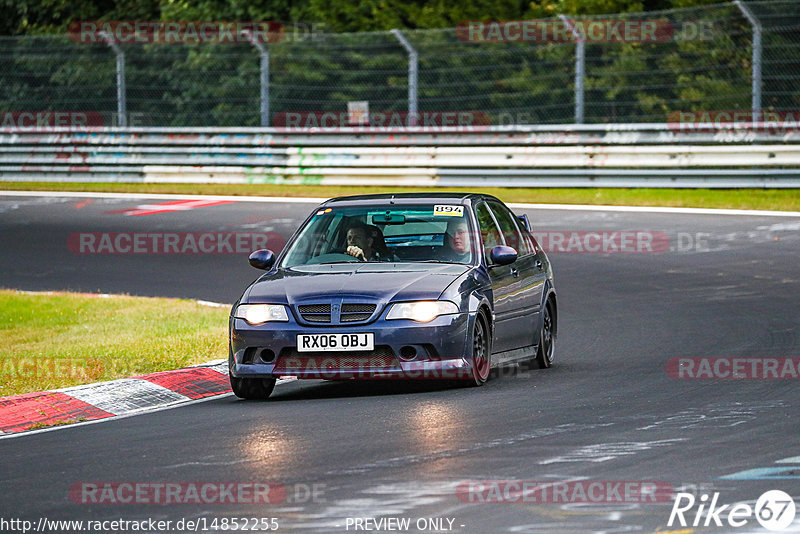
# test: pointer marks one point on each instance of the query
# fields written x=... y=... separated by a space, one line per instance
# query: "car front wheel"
x=252 y=388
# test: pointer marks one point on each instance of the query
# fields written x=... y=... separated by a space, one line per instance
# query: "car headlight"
x=262 y=313
x=423 y=311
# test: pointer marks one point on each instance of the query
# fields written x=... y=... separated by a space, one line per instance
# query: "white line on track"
x=656 y=209
x=160 y=196
x=307 y=200
x=213 y=304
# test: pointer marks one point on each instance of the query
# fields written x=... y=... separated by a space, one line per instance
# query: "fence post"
x=263 y=76
x=756 y=74
x=122 y=104
x=412 y=76
x=580 y=68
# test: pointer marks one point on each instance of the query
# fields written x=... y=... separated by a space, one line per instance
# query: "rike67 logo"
x=774 y=510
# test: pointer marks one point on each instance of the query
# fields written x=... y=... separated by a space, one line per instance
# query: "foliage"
x=705 y=65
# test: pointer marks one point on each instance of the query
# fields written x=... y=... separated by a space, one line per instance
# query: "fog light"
x=408 y=352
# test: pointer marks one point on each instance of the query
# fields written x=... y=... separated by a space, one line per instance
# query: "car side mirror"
x=262 y=259
x=503 y=255
x=526 y=223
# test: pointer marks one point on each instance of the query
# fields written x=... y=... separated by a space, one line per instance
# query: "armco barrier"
x=615 y=155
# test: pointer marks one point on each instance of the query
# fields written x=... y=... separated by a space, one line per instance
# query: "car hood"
x=375 y=282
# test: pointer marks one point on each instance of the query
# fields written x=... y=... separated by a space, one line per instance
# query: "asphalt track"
x=607 y=410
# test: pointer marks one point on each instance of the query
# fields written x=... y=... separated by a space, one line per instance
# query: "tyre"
x=481 y=351
x=547 y=341
x=252 y=388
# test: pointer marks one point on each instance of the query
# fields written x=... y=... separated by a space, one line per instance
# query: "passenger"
x=457 y=246
x=379 y=244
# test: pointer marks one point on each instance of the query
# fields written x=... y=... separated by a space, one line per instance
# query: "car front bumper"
x=440 y=350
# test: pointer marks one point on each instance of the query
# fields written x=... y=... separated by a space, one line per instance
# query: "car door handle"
x=514 y=273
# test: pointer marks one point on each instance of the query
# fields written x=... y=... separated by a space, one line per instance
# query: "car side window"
x=490 y=235
x=528 y=240
x=511 y=233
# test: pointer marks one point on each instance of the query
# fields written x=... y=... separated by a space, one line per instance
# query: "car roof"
x=409 y=198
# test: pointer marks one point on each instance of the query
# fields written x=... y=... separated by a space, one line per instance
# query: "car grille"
x=289 y=360
x=350 y=313
x=315 y=313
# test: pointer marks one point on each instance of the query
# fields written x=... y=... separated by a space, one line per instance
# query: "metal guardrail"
x=615 y=155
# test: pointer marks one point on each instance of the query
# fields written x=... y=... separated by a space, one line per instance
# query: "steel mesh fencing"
x=700 y=67
x=780 y=21
x=705 y=58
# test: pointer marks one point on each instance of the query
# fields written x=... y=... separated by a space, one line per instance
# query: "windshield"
x=390 y=233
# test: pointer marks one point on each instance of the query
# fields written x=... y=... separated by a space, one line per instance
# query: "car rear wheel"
x=546 y=351
x=252 y=388
x=481 y=355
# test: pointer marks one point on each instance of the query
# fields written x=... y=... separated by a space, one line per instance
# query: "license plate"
x=335 y=342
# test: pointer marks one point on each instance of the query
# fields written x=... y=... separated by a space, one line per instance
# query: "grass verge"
x=58 y=340
x=754 y=199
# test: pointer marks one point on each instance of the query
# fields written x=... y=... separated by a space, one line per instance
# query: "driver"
x=360 y=243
